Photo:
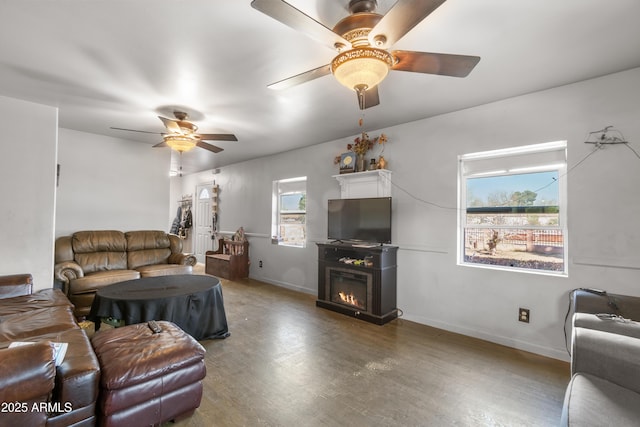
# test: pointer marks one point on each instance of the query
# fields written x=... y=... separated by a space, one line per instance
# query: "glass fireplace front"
x=349 y=287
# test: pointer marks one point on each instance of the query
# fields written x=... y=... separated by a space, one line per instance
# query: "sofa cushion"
x=33 y=385
x=614 y=325
x=147 y=247
x=100 y=250
x=21 y=326
x=94 y=281
x=43 y=298
x=16 y=285
x=76 y=379
x=83 y=289
x=164 y=270
x=78 y=376
x=592 y=401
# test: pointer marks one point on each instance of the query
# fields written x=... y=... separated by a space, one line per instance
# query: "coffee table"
x=192 y=302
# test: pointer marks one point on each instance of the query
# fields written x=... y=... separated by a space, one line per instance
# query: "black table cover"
x=192 y=302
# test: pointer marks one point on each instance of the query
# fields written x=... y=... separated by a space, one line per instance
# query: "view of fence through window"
x=289 y=212
x=292 y=218
x=513 y=220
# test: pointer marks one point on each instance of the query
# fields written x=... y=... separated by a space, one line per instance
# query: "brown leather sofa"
x=89 y=260
x=41 y=393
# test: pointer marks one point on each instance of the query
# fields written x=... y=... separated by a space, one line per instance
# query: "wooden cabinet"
x=230 y=261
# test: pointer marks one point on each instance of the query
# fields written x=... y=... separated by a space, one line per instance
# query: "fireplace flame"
x=349 y=298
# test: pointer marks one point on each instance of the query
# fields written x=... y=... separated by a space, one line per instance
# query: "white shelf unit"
x=374 y=183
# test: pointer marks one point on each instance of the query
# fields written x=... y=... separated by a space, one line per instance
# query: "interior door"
x=203 y=222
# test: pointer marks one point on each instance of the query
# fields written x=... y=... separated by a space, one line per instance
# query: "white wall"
x=604 y=204
x=27 y=189
x=108 y=183
x=245 y=200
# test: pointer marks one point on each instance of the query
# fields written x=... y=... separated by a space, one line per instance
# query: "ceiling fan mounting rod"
x=357 y=6
x=180 y=115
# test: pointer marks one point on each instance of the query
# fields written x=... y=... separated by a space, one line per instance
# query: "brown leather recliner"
x=63 y=395
x=89 y=260
x=22 y=393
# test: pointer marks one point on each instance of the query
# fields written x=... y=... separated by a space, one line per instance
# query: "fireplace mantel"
x=375 y=183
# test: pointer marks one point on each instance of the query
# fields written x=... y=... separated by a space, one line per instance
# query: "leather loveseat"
x=605 y=360
x=89 y=260
x=33 y=391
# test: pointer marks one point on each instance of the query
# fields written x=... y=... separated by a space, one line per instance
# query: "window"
x=513 y=208
x=289 y=212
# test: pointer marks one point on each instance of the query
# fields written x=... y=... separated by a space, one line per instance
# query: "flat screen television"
x=365 y=220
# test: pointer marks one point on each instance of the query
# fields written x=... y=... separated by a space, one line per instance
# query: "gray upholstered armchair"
x=605 y=361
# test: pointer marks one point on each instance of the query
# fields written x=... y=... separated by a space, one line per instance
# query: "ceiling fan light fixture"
x=361 y=66
x=180 y=143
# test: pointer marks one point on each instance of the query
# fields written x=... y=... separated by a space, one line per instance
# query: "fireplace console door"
x=358 y=281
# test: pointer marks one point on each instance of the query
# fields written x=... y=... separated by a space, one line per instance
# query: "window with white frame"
x=289 y=222
x=513 y=208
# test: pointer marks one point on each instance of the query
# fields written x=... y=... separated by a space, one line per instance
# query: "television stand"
x=358 y=280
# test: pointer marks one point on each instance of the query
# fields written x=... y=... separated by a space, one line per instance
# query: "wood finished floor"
x=289 y=363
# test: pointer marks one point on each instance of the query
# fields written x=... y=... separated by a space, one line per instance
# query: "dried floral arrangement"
x=363 y=143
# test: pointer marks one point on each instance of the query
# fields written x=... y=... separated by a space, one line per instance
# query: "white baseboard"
x=497 y=339
x=287 y=285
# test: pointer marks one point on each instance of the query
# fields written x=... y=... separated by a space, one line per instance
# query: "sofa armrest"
x=183 y=259
x=613 y=357
x=15 y=285
x=614 y=325
x=627 y=306
x=37 y=373
x=66 y=271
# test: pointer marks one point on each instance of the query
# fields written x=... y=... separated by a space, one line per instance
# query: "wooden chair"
x=230 y=261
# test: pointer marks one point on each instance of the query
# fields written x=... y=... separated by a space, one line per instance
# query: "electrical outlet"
x=260 y=264
x=523 y=315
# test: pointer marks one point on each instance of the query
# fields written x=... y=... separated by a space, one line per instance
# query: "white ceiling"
x=121 y=63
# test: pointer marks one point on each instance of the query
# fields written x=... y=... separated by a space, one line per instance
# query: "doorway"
x=203 y=222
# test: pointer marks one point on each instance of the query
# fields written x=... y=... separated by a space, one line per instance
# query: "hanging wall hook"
x=608 y=135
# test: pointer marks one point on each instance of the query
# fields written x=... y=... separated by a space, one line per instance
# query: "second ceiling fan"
x=182 y=135
x=362 y=40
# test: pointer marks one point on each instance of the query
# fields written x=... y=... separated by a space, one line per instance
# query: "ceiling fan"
x=182 y=135
x=362 y=40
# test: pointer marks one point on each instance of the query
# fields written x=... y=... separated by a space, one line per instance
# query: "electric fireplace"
x=358 y=281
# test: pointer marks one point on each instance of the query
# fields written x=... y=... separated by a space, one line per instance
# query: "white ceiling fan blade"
x=402 y=17
x=298 y=20
x=171 y=125
x=217 y=137
x=434 y=63
x=210 y=147
x=301 y=78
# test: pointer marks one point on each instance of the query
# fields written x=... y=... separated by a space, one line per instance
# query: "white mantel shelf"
x=374 y=183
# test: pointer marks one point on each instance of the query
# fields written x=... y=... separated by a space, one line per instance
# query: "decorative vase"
x=382 y=163
x=361 y=165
